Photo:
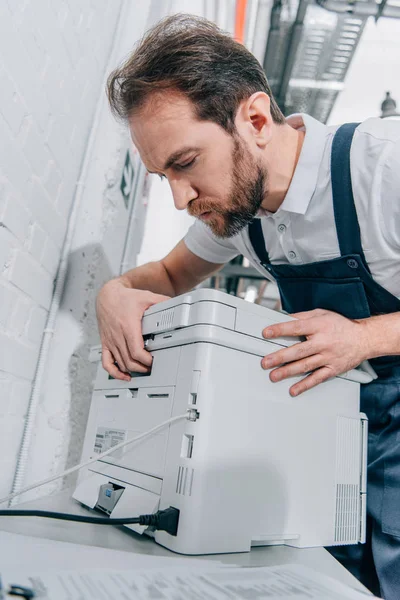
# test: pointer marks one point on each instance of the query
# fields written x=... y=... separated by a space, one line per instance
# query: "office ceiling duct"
x=309 y=51
x=363 y=8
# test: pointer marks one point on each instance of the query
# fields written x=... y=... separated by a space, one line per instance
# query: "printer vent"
x=184 y=481
x=347 y=508
x=166 y=319
x=348 y=447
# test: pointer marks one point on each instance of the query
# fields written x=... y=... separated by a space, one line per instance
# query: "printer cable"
x=163 y=520
x=186 y=416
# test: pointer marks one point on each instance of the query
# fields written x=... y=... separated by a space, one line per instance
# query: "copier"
x=251 y=465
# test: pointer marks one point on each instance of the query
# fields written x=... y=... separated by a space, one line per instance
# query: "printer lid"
x=226 y=315
x=212 y=307
x=218 y=309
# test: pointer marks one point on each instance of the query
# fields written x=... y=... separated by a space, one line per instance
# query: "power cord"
x=163 y=520
x=170 y=421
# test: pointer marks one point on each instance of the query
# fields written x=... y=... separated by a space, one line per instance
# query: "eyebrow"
x=177 y=155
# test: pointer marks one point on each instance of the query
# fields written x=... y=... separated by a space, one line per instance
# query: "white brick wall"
x=52 y=59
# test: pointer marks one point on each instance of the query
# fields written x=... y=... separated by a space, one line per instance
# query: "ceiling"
x=306 y=47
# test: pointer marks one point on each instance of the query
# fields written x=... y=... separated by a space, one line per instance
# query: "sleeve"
x=201 y=241
x=390 y=195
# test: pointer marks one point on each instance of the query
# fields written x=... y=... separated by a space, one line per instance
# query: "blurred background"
x=76 y=206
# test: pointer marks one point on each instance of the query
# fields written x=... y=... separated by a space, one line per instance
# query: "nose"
x=182 y=192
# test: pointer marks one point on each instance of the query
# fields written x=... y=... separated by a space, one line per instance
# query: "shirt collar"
x=305 y=176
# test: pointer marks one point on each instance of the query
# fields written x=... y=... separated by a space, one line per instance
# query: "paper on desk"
x=38 y=554
x=272 y=583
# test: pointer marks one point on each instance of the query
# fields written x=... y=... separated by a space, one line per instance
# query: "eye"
x=161 y=176
x=187 y=165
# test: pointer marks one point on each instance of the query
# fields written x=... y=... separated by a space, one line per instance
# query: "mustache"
x=196 y=208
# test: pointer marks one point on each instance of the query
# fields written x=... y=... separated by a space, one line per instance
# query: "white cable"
x=92 y=460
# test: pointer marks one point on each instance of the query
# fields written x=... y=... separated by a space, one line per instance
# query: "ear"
x=254 y=120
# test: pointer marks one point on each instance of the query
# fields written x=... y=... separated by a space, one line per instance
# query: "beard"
x=249 y=188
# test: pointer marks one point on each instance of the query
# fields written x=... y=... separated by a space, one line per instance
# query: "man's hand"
x=119 y=314
x=334 y=345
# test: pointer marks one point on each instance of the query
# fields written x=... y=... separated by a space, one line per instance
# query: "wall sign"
x=128 y=178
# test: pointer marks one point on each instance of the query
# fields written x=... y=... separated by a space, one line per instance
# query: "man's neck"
x=283 y=155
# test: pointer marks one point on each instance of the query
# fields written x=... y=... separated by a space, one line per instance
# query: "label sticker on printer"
x=107 y=438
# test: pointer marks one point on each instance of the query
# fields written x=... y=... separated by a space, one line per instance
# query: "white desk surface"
x=121 y=538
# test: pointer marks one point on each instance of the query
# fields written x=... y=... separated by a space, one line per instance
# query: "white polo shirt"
x=303 y=229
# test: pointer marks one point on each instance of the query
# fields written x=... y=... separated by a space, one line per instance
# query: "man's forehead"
x=170 y=102
x=162 y=128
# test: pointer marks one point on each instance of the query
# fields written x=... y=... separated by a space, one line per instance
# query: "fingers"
x=126 y=364
x=127 y=349
x=134 y=365
x=120 y=312
x=110 y=367
x=314 y=379
x=305 y=324
x=136 y=358
x=296 y=328
x=135 y=345
x=296 y=368
x=295 y=352
x=119 y=360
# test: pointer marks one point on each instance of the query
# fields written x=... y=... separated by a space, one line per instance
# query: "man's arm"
x=122 y=301
x=179 y=272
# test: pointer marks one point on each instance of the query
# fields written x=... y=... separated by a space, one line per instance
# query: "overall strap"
x=257 y=241
x=347 y=227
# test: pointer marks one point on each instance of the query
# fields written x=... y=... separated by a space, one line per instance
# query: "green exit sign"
x=127 y=180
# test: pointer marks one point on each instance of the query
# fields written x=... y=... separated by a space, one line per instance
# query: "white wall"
x=165 y=225
x=96 y=253
x=52 y=59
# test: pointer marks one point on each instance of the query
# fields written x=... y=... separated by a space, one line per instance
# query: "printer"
x=251 y=465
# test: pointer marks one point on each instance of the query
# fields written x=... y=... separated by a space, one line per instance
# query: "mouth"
x=205 y=215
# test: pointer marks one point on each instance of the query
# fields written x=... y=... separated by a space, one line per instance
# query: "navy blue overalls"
x=345 y=285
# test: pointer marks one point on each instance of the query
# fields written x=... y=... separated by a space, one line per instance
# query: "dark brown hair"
x=190 y=55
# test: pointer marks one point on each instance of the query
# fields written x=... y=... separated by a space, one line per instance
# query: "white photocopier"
x=250 y=465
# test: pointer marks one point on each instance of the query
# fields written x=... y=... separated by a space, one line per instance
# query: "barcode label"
x=108 y=438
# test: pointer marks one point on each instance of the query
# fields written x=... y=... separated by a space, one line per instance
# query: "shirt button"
x=282 y=228
x=292 y=255
x=353 y=264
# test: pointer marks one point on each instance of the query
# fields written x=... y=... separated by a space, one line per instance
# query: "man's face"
x=211 y=174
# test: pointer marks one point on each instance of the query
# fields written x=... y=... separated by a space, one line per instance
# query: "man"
x=315 y=208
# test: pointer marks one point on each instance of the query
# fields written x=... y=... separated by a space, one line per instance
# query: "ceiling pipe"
x=291 y=52
x=270 y=57
x=361 y=9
